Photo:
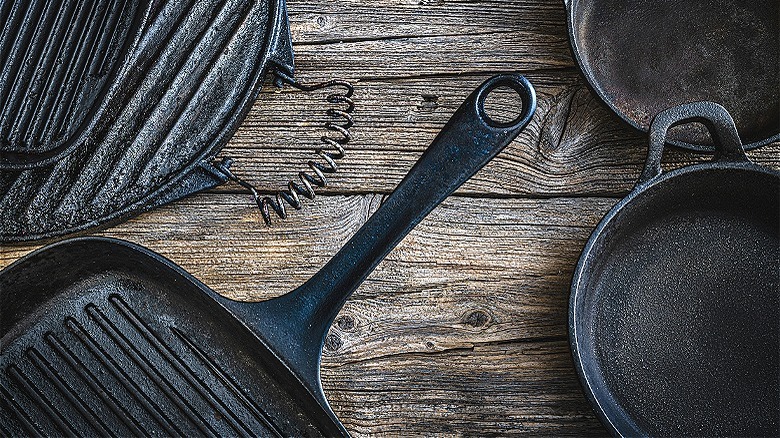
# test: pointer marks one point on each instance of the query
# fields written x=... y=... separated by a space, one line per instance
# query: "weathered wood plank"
x=436 y=55
x=461 y=329
x=573 y=146
x=315 y=22
x=402 y=38
x=505 y=389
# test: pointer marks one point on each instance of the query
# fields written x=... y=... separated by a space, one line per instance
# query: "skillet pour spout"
x=103 y=337
x=673 y=315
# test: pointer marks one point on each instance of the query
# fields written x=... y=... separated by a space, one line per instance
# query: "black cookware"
x=675 y=303
x=103 y=337
x=642 y=57
x=113 y=107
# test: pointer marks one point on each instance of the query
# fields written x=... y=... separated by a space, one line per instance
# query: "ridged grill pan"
x=100 y=336
x=111 y=108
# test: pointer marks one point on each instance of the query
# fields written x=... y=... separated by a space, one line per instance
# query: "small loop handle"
x=717 y=120
x=521 y=86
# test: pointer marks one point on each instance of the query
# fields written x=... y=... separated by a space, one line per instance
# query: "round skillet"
x=642 y=57
x=673 y=316
x=110 y=108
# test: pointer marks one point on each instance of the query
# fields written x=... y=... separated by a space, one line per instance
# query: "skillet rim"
x=578 y=284
x=593 y=85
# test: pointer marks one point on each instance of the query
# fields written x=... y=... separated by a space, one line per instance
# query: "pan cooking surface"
x=105 y=124
x=58 y=63
x=680 y=323
x=643 y=57
x=126 y=350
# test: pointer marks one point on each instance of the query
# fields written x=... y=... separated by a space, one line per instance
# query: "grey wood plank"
x=462 y=329
x=488 y=390
x=573 y=146
x=318 y=22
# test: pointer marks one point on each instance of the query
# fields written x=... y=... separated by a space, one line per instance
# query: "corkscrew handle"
x=466 y=143
x=330 y=149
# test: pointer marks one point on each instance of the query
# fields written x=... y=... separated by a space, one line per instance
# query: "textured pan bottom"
x=183 y=75
x=680 y=322
x=643 y=57
x=127 y=352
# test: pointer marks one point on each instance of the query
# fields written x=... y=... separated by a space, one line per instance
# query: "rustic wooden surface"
x=462 y=330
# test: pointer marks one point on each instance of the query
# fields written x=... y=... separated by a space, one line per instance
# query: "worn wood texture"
x=462 y=330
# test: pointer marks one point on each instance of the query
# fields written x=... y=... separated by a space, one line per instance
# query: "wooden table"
x=462 y=330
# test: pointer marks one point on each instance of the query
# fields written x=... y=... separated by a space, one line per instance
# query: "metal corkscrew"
x=331 y=150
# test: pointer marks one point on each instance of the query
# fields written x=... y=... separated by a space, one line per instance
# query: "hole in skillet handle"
x=494 y=93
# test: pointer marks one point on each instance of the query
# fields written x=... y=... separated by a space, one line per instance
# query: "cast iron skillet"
x=642 y=57
x=673 y=317
x=108 y=108
x=101 y=336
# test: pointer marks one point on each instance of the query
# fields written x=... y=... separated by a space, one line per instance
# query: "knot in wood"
x=346 y=323
x=333 y=342
x=430 y=102
x=477 y=319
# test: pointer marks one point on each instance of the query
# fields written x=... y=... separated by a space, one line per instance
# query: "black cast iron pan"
x=109 y=108
x=674 y=315
x=642 y=57
x=103 y=337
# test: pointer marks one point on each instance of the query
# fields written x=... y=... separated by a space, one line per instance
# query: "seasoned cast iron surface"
x=59 y=59
x=642 y=57
x=131 y=99
x=679 y=322
x=135 y=349
x=156 y=331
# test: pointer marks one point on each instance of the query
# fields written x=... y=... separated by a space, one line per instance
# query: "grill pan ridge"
x=112 y=368
x=156 y=105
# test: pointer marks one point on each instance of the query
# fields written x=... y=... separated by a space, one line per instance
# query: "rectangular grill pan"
x=103 y=337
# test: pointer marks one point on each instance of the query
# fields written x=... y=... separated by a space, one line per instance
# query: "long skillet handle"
x=295 y=324
x=466 y=143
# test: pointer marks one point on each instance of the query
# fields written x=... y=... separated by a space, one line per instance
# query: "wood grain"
x=502 y=389
x=573 y=146
x=462 y=330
